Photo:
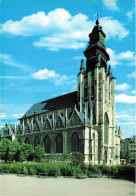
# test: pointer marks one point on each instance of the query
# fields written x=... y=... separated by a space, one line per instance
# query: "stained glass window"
x=47 y=144
x=59 y=144
x=75 y=143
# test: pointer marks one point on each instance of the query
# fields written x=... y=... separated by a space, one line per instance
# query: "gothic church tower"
x=96 y=95
x=81 y=121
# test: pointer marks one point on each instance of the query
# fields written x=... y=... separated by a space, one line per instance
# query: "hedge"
x=65 y=169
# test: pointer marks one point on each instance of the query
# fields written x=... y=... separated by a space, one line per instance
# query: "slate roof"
x=52 y=104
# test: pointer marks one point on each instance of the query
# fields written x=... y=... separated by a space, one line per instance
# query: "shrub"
x=105 y=169
x=77 y=159
x=4 y=167
x=4 y=149
x=31 y=167
x=15 y=167
x=66 y=169
x=26 y=152
x=54 y=171
x=76 y=170
x=114 y=170
x=93 y=168
x=14 y=151
x=39 y=153
x=127 y=171
x=32 y=171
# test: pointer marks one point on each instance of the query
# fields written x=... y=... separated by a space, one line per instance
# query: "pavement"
x=13 y=185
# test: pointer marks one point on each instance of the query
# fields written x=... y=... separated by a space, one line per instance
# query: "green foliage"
x=128 y=155
x=54 y=171
x=76 y=170
x=122 y=154
x=4 y=149
x=65 y=169
x=14 y=151
x=93 y=168
x=26 y=152
x=39 y=153
x=114 y=170
x=15 y=167
x=10 y=151
x=105 y=169
x=127 y=171
x=77 y=159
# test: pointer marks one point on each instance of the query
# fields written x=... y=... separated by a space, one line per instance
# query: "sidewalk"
x=13 y=185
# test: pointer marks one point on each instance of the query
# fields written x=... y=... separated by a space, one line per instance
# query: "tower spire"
x=109 y=71
x=97 y=21
x=82 y=69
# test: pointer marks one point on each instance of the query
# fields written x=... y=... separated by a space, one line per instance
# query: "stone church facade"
x=83 y=120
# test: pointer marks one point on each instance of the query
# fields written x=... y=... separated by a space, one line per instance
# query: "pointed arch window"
x=27 y=141
x=106 y=128
x=47 y=144
x=75 y=143
x=36 y=141
x=59 y=144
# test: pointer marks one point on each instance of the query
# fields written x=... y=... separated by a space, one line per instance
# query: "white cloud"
x=51 y=75
x=17 y=115
x=10 y=116
x=123 y=116
x=10 y=61
x=111 y=4
x=128 y=123
x=130 y=14
x=123 y=86
x=14 y=77
x=45 y=74
x=123 y=98
x=132 y=75
x=55 y=44
x=115 y=28
x=3 y=115
x=58 y=29
x=117 y=59
x=133 y=92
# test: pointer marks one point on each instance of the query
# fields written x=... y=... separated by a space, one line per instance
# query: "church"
x=83 y=120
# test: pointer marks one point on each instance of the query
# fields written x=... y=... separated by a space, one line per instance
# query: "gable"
x=75 y=120
x=47 y=125
x=59 y=123
x=36 y=127
x=27 y=129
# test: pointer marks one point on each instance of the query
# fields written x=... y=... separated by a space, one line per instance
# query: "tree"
x=26 y=152
x=122 y=154
x=14 y=151
x=39 y=153
x=4 y=149
x=128 y=156
x=77 y=159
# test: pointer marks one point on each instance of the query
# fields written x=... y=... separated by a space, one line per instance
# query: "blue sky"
x=41 y=46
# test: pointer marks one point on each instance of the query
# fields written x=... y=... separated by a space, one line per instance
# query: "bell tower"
x=96 y=51
x=96 y=95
